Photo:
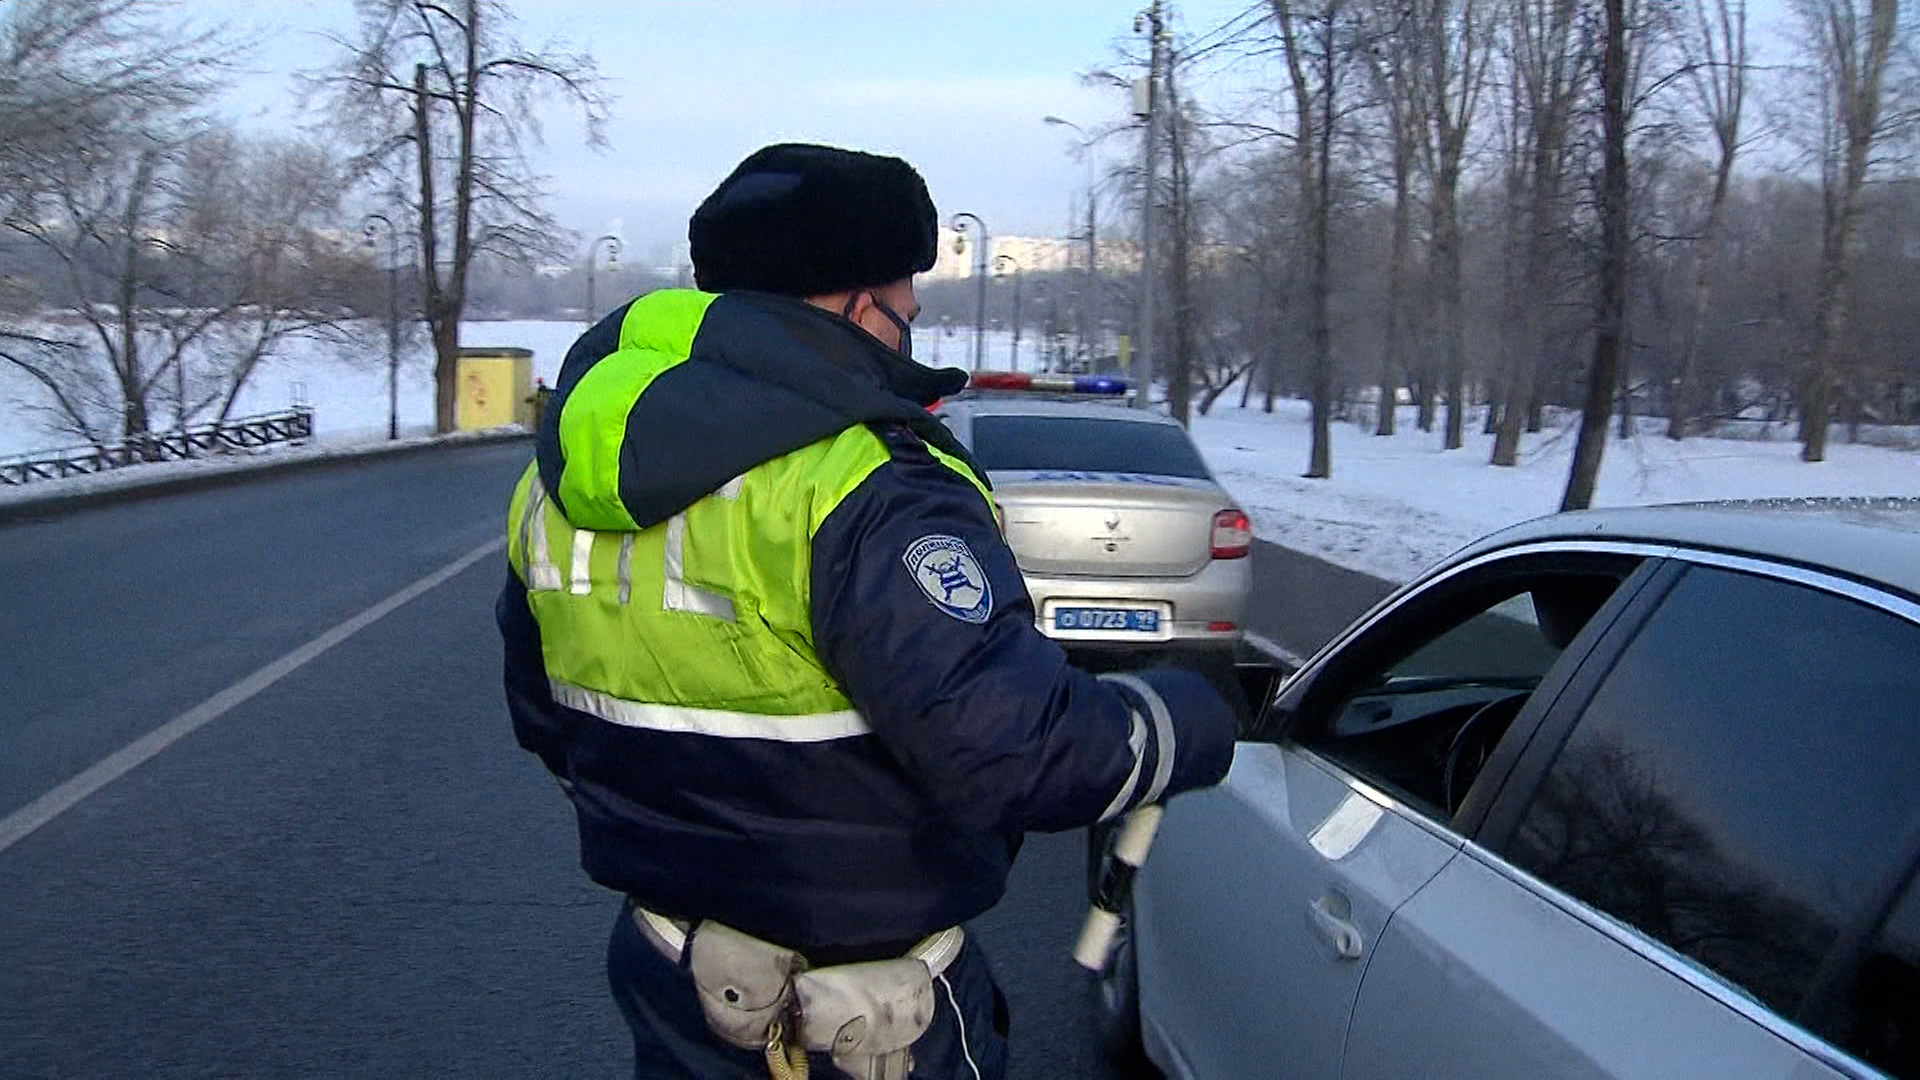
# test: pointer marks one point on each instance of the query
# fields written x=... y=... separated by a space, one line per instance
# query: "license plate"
x=1126 y=620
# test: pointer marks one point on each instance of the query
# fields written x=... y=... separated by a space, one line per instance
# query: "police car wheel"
x=1115 y=1004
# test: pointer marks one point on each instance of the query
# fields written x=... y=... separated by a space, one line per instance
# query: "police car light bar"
x=1098 y=385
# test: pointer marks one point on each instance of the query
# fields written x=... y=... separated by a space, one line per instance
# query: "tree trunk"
x=1446 y=261
x=1313 y=150
x=1393 y=361
x=1625 y=408
x=1543 y=195
x=446 y=388
x=133 y=385
x=1320 y=459
x=1180 y=372
x=433 y=302
x=1608 y=338
x=1860 y=105
x=1681 y=411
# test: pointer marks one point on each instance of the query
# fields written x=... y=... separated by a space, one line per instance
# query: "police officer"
x=762 y=625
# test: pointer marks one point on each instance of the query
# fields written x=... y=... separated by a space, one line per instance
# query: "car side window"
x=1421 y=706
x=1882 y=1004
x=1740 y=782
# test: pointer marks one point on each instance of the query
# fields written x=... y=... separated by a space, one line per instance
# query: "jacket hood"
x=669 y=398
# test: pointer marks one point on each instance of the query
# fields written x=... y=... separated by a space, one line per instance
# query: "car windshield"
x=1084 y=444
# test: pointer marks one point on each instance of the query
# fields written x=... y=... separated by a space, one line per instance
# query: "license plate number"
x=1128 y=620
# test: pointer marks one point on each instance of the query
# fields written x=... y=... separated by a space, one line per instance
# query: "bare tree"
x=446 y=93
x=1609 y=337
x=78 y=79
x=1849 y=49
x=1316 y=42
x=261 y=212
x=75 y=71
x=1453 y=55
x=1393 y=63
x=179 y=265
x=1181 y=219
x=1548 y=64
x=1714 y=47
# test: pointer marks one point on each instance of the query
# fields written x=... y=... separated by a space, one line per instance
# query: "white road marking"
x=1274 y=649
x=21 y=824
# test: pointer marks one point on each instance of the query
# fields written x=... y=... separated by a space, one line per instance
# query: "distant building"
x=1033 y=254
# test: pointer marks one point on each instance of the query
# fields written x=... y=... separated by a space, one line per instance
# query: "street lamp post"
x=613 y=257
x=369 y=226
x=1148 y=108
x=1000 y=264
x=1089 y=316
x=983 y=243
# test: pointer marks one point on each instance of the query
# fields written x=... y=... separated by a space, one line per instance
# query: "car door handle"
x=1329 y=914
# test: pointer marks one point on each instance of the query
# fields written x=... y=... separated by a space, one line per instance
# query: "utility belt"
x=762 y=996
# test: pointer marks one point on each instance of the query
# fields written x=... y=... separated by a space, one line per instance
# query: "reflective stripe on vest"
x=719 y=723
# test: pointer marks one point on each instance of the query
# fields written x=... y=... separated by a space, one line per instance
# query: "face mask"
x=906 y=329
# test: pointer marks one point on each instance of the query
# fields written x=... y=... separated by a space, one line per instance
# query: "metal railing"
x=239 y=433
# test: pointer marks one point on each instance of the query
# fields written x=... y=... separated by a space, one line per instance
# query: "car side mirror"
x=1260 y=682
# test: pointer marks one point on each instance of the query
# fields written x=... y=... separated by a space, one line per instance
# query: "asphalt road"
x=354 y=871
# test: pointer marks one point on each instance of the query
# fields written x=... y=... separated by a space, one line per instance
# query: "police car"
x=1123 y=536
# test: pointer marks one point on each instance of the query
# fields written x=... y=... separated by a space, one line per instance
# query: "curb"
x=57 y=503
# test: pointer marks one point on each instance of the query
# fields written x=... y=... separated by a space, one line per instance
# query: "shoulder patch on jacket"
x=945 y=569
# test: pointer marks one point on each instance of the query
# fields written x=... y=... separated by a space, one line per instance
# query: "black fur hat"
x=804 y=220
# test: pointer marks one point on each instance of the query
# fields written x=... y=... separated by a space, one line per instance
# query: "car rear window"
x=1084 y=444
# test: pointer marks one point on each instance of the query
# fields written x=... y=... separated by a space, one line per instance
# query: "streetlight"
x=983 y=242
x=1147 y=108
x=613 y=259
x=1000 y=264
x=1089 y=319
x=371 y=225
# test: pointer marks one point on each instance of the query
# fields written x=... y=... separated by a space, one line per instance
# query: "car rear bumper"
x=1202 y=609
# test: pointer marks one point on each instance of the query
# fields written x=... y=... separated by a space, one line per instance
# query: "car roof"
x=1012 y=405
x=1870 y=539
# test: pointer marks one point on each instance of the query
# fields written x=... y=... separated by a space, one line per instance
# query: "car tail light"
x=1232 y=535
x=1221 y=627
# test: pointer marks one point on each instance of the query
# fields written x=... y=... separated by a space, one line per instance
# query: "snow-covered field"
x=1393 y=507
x=348 y=392
x=1396 y=505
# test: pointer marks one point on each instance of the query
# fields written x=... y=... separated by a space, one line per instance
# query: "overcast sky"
x=957 y=88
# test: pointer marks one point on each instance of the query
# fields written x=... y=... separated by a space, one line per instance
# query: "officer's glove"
x=1204 y=718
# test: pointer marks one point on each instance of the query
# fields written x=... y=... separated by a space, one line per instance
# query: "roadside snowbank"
x=1396 y=505
x=251 y=459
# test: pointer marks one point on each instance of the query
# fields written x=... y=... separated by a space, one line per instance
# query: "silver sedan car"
x=1124 y=538
x=1629 y=793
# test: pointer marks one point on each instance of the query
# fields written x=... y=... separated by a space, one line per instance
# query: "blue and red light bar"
x=1105 y=385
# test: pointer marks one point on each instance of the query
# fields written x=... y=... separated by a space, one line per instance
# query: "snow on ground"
x=348 y=391
x=1393 y=507
x=249 y=458
x=1396 y=505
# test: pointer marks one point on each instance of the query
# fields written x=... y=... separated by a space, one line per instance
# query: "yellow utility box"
x=494 y=385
